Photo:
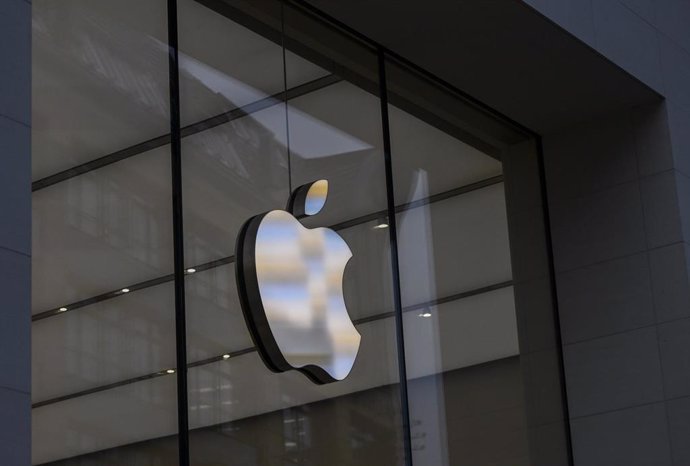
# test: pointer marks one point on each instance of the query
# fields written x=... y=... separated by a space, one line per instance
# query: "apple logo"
x=290 y=282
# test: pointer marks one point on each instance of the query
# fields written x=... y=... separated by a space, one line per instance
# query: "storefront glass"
x=103 y=333
x=437 y=199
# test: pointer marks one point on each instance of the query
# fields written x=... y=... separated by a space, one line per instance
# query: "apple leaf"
x=308 y=199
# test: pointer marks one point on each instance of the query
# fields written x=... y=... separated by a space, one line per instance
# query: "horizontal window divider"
x=189 y=130
x=98 y=389
x=244 y=351
x=103 y=297
x=458 y=296
x=231 y=259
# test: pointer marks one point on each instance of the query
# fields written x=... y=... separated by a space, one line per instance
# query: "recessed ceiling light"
x=125 y=290
x=226 y=356
x=381 y=223
x=425 y=314
x=62 y=309
x=170 y=371
x=191 y=270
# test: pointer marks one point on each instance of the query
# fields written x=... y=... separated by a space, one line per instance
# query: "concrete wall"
x=616 y=241
x=620 y=192
x=15 y=232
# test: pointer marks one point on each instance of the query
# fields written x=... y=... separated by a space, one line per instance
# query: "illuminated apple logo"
x=290 y=282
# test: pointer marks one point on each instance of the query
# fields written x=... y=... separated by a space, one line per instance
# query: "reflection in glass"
x=316 y=197
x=300 y=276
x=475 y=382
x=102 y=225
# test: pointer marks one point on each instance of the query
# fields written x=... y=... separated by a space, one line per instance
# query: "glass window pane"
x=330 y=128
x=275 y=102
x=103 y=330
x=480 y=338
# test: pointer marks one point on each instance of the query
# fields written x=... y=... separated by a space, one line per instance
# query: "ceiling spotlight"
x=62 y=309
x=125 y=290
x=191 y=270
x=425 y=314
x=170 y=371
x=381 y=223
x=226 y=356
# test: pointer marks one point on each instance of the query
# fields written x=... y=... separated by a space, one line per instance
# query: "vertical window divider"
x=286 y=97
x=554 y=294
x=395 y=264
x=178 y=236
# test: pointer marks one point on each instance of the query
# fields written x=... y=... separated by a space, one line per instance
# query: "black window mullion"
x=178 y=237
x=395 y=265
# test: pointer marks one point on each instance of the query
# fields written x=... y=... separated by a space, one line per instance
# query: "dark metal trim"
x=395 y=264
x=554 y=296
x=100 y=162
x=103 y=296
x=230 y=259
x=189 y=130
x=243 y=351
x=101 y=388
x=450 y=193
x=296 y=205
x=178 y=238
x=458 y=296
x=250 y=299
x=222 y=357
x=285 y=86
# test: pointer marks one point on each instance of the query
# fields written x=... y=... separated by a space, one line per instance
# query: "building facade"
x=511 y=179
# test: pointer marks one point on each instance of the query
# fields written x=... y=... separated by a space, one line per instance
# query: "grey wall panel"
x=15 y=232
x=669 y=269
x=613 y=372
x=628 y=40
x=650 y=40
x=614 y=241
x=679 y=427
x=675 y=358
x=15 y=430
x=630 y=437
x=15 y=56
x=606 y=298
